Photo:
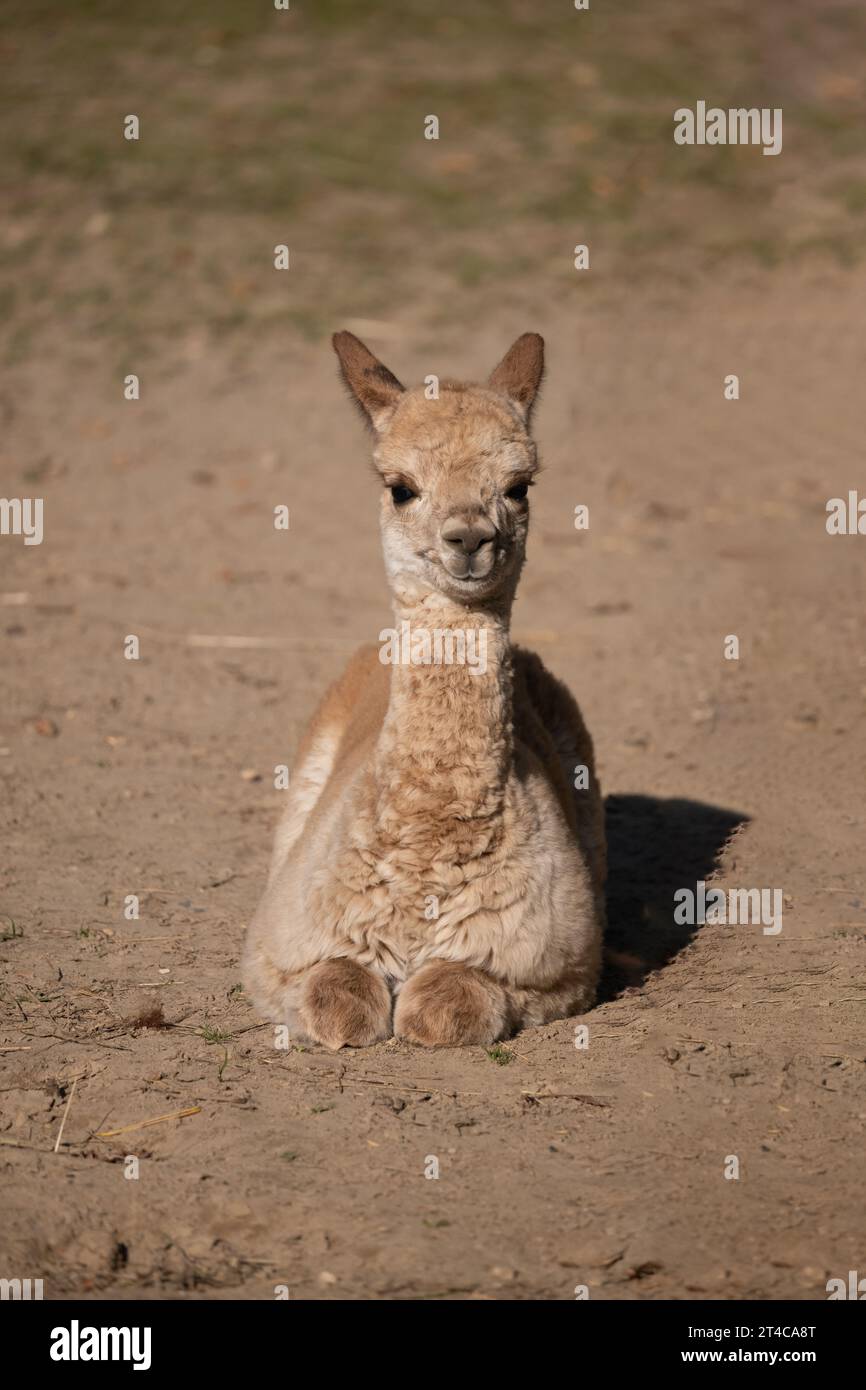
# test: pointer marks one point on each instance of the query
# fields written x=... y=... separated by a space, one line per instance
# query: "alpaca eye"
x=402 y=495
x=518 y=492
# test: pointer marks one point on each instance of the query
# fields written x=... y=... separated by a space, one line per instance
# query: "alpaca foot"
x=447 y=1004
x=344 y=1005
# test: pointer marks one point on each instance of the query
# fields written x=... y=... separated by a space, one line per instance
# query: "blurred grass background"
x=305 y=127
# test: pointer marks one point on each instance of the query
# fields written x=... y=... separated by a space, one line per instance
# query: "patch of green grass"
x=471 y=268
x=306 y=126
x=500 y=1055
x=766 y=251
x=214 y=1035
x=846 y=251
x=853 y=195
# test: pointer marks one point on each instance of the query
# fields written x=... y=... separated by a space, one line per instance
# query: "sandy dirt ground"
x=559 y=1165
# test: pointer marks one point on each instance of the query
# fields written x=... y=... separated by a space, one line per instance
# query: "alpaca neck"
x=444 y=752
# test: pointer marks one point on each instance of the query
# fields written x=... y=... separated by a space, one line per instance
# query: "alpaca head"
x=455 y=472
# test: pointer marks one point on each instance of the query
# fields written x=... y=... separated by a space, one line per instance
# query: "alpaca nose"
x=465 y=535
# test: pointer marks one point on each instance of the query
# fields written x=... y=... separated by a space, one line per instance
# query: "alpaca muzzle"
x=467 y=547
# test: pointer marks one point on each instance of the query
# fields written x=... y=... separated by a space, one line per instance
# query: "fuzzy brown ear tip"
x=518 y=375
x=534 y=343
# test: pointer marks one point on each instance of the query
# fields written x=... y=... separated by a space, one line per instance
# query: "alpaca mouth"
x=471 y=576
x=474 y=580
x=472 y=569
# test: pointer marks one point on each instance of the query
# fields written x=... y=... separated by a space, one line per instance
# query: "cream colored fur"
x=435 y=873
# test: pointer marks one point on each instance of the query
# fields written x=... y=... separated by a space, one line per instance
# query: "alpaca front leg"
x=343 y=1004
x=448 y=1004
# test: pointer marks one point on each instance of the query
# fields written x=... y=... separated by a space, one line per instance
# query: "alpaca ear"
x=374 y=388
x=519 y=374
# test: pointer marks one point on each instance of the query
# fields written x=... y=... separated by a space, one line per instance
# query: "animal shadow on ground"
x=654 y=847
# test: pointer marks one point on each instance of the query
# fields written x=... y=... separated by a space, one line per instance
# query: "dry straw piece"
x=144 y=1124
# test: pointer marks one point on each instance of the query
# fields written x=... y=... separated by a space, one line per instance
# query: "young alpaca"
x=435 y=874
